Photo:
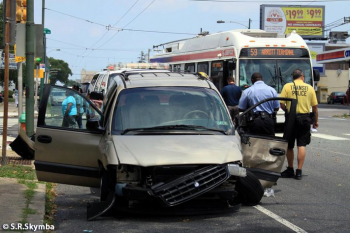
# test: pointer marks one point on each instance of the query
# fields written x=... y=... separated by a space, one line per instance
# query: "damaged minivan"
x=162 y=140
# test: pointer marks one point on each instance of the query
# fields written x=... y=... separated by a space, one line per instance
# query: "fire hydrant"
x=22 y=120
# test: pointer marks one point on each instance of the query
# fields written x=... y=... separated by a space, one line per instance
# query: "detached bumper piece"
x=191 y=185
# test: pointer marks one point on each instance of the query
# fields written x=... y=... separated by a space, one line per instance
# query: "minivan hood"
x=155 y=150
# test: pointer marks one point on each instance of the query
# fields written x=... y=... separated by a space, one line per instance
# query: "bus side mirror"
x=316 y=75
x=231 y=65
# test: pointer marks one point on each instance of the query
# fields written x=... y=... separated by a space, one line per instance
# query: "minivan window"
x=163 y=106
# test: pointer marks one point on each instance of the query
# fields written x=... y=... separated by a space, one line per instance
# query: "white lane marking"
x=329 y=137
x=323 y=136
x=280 y=219
x=322 y=118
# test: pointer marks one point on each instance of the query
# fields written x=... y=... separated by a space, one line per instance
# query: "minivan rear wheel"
x=249 y=189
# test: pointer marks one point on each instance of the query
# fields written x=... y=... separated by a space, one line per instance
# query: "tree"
x=59 y=71
x=70 y=83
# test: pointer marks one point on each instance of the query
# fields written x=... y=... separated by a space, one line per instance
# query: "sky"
x=86 y=32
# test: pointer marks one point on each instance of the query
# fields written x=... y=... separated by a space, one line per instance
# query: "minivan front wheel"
x=105 y=186
x=249 y=189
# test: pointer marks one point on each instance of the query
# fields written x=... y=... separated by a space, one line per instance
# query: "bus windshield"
x=276 y=72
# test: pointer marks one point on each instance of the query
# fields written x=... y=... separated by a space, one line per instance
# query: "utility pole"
x=249 y=23
x=6 y=83
x=44 y=42
x=30 y=68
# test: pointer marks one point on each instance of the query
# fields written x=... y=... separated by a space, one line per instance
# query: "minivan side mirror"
x=316 y=75
x=95 y=95
x=231 y=65
x=94 y=125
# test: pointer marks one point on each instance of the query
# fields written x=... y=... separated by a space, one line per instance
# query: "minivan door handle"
x=277 y=151
x=44 y=139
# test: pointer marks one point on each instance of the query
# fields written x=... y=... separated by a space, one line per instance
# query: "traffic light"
x=21 y=11
x=37 y=60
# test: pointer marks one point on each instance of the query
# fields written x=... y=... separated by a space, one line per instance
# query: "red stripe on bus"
x=204 y=55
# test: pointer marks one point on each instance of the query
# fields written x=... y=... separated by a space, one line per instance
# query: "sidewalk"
x=14 y=198
x=13 y=203
x=13 y=110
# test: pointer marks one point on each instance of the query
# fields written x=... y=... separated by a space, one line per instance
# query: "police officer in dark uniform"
x=263 y=121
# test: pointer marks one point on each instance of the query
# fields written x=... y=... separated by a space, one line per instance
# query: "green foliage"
x=70 y=83
x=18 y=171
x=10 y=94
x=59 y=71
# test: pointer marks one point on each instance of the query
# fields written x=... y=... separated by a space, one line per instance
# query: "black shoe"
x=298 y=174
x=288 y=173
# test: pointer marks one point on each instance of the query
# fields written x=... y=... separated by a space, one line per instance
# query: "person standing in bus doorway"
x=263 y=122
x=231 y=95
x=306 y=97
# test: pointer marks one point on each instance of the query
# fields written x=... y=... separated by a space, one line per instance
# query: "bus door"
x=219 y=73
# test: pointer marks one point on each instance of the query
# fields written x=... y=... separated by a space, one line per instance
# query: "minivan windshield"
x=171 y=108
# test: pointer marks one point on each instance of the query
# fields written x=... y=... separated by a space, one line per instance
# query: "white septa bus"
x=240 y=53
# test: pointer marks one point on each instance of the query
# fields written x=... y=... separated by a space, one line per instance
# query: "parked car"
x=57 y=97
x=162 y=139
x=336 y=97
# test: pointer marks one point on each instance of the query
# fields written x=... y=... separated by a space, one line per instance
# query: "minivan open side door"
x=264 y=156
x=65 y=153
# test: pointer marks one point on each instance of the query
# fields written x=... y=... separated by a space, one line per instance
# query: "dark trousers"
x=234 y=111
x=263 y=126
x=80 y=121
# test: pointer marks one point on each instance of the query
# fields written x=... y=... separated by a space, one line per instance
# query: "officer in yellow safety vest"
x=306 y=97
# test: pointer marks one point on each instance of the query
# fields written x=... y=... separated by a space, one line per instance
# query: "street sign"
x=20 y=59
x=40 y=73
x=47 y=31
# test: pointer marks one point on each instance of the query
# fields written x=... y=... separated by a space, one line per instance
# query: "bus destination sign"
x=274 y=53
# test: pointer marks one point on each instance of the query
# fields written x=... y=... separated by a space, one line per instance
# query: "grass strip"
x=26 y=175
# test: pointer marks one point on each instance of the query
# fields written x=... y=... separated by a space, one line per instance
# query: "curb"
x=37 y=204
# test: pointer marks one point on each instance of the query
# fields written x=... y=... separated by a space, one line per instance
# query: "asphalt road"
x=320 y=202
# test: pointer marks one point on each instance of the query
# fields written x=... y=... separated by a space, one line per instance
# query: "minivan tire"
x=249 y=189
x=105 y=186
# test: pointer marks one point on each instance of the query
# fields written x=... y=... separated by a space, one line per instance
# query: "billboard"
x=317 y=48
x=307 y=21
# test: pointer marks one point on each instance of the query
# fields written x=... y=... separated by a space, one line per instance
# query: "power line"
x=125 y=25
x=163 y=32
x=259 y=1
x=125 y=13
x=86 y=20
x=66 y=43
x=128 y=23
x=112 y=49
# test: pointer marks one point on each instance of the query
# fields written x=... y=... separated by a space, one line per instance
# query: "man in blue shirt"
x=263 y=119
x=231 y=94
